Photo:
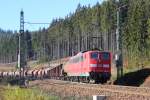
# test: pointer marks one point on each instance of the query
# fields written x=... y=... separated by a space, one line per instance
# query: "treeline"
x=87 y=28
x=95 y=27
x=8 y=46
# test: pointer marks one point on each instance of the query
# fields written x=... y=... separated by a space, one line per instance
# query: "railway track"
x=112 y=92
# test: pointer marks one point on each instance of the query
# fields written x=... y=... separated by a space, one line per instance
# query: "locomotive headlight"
x=106 y=65
x=100 y=65
x=93 y=65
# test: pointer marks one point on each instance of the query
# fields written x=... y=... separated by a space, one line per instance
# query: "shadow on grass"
x=11 y=81
x=134 y=78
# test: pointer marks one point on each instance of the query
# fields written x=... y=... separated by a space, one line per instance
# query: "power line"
x=35 y=23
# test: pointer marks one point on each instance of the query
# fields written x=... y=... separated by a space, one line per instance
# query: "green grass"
x=16 y=93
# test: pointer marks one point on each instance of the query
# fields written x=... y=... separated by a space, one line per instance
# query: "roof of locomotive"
x=87 y=51
x=93 y=50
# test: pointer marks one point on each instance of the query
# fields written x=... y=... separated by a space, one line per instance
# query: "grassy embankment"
x=16 y=93
x=130 y=67
x=135 y=65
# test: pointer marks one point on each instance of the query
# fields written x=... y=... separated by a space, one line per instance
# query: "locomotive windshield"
x=105 y=56
x=94 y=55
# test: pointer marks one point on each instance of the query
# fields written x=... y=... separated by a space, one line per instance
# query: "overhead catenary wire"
x=35 y=23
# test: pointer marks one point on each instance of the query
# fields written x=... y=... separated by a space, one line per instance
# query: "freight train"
x=93 y=65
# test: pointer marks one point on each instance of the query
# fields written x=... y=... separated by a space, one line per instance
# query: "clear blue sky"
x=36 y=11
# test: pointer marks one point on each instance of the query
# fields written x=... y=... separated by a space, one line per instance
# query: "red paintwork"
x=84 y=66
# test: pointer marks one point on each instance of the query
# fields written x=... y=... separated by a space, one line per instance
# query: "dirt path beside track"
x=112 y=92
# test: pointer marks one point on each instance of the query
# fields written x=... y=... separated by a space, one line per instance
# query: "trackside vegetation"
x=16 y=93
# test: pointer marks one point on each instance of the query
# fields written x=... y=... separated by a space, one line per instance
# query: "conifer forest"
x=87 y=28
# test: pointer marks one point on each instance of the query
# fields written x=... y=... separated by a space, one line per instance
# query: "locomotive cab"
x=100 y=66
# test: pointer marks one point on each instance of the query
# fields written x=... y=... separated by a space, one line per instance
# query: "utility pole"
x=20 y=53
x=118 y=56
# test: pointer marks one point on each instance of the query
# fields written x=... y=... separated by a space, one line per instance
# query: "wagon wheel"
x=88 y=79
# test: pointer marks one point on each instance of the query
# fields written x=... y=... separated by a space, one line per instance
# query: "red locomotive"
x=89 y=65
